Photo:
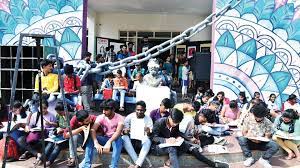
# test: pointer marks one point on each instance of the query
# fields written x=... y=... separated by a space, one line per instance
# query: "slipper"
x=289 y=157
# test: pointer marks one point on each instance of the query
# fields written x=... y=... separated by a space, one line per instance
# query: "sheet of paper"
x=285 y=135
x=217 y=149
x=178 y=143
x=86 y=133
x=263 y=139
x=137 y=129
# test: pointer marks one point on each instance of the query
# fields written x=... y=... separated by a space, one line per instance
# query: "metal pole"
x=62 y=91
x=38 y=48
x=12 y=98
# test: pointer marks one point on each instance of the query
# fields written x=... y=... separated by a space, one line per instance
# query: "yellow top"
x=183 y=108
x=49 y=82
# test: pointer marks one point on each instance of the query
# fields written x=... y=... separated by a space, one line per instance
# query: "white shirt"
x=295 y=107
x=185 y=72
x=272 y=106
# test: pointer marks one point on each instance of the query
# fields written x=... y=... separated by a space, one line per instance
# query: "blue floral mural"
x=257 y=48
x=62 y=18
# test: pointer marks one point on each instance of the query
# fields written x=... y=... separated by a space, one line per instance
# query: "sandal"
x=71 y=162
x=289 y=157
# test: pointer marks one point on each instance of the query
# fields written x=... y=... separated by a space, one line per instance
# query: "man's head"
x=175 y=117
x=221 y=96
x=140 y=109
x=165 y=104
x=69 y=70
x=46 y=65
x=130 y=45
x=87 y=56
x=119 y=73
x=233 y=104
x=110 y=76
x=259 y=111
x=214 y=105
x=83 y=117
x=204 y=116
x=139 y=76
x=109 y=106
x=209 y=92
x=145 y=39
x=99 y=58
x=196 y=106
x=59 y=108
x=124 y=48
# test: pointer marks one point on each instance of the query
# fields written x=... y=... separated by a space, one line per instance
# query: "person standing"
x=185 y=79
x=86 y=89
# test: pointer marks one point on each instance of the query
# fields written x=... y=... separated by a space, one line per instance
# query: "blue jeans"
x=247 y=145
x=122 y=96
x=90 y=150
x=52 y=150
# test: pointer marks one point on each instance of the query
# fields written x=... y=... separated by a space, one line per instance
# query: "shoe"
x=24 y=156
x=121 y=109
x=221 y=164
x=71 y=162
x=48 y=164
x=264 y=163
x=249 y=161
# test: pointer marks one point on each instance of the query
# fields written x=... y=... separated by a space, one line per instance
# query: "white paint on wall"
x=109 y=24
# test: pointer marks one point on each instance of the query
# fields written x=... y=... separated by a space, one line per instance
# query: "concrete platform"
x=234 y=157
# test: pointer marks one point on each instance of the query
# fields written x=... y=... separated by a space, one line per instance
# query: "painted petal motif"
x=74 y=3
x=39 y=7
x=245 y=6
x=7 y=23
x=282 y=79
x=249 y=48
x=263 y=9
x=267 y=61
x=225 y=46
x=70 y=42
x=20 y=11
x=57 y=4
x=280 y=3
x=294 y=31
x=4 y=5
x=283 y=16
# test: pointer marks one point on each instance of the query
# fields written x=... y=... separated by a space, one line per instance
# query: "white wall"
x=109 y=24
x=91 y=25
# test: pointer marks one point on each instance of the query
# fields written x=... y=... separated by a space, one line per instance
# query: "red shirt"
x=69 y=84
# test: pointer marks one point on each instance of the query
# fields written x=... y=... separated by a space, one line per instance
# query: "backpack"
x=12 y=149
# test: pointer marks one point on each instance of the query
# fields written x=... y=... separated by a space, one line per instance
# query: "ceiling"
x=190 y=7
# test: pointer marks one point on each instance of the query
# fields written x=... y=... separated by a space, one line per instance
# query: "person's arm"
x=117 y=134
x=125 y=83
x=94 y=137
x=127 y=125
x=269 y=131
x=223 y=118
x=36 y=83
x=297 y=128
x=156 y=131
x=238 y=113
x=78 y=84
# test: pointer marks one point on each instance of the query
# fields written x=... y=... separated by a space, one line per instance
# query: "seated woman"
x=53 y=149
x=230 y=112
x=289 y=124
x=19 y=116
x=30 y=140
x=291 y=103
x=272 y=106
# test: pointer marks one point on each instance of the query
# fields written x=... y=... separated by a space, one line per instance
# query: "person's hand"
x=83 y=128
x=99 y=148
x=126 y=131
x=147 y=130
x=195 y=141
x=26 y=129
x=106 y=147
x=59 y=130
x=171 y=140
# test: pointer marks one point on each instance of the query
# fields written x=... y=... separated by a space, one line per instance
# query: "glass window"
x=174 y=34
x=132 y=34
x=123 y=33
x=163 y=34
x=145 y=34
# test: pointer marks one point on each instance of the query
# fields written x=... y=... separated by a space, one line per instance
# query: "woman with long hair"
x=289 y=125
